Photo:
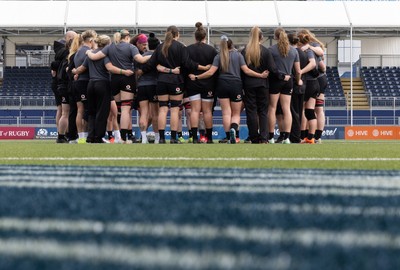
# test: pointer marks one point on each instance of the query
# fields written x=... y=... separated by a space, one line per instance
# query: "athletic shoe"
x=81 y=140
x=127 y=142
x=190 y=140
x=62 y=140
x=232 y=133
x=263 y=142
x=105 y=140
x=280 y=139
x=237 y=140
x=151 y=137
x=307 y=141
x=271 y=141
x=112 y=140
x=247 y=140
x=286 y=141
x=181 y=139
x=162 y=141
x=73 y=141
x=224 y=140
x=210 y=141
x=319 y=141
x=203 y=139
x=175 y=141
x=132 y=139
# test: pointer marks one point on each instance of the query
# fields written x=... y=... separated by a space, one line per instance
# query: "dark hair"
x=153 y=41
x=200 y=33
x=172 y=32
x=293 y=39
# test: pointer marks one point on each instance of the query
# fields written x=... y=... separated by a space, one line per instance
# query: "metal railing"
x=15 y=111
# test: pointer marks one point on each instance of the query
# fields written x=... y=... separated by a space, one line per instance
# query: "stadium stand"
x=381 y=83
x=26 y=81
x=334 y=91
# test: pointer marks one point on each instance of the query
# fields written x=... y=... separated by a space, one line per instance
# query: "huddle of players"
x=293 y=66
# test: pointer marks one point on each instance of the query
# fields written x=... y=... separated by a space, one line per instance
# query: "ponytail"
x=225 y=45
x=253 y=54
x=75 y=45
x=172 y=32
x=283 y=42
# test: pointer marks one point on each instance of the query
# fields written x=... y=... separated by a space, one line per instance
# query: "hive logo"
x=372 y=133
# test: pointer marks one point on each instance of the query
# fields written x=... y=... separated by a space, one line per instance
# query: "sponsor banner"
x=331 y=132
x=17 y=133
x=46 y=133
x=372 y=133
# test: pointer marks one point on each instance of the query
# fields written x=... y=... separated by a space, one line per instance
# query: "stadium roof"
x=329 y=18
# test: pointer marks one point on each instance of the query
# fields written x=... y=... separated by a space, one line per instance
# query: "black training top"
x=267 y=62
x=178 y=56
x=203 y=54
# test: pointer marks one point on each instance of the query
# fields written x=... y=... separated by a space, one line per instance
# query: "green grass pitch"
x=334 y=154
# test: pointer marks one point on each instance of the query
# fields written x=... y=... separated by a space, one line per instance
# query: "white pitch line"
x=140 y=256
x=190 y=159
x=359 y=181
x=322 y=209
x=303 y=237
x=318 y=191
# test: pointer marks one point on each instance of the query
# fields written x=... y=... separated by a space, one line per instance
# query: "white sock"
x=157 y=137
x=85 y=134
x=81 y=135
x=117 y=135
x=144 y=136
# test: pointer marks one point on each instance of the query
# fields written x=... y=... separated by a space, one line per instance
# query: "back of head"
x=172 y=32
x=102 y=41
x=311 y=37
x=88 y=35
x=200 y=33
x=304 y=38
x=120 y=35
x=153 y=41
x=293 y=39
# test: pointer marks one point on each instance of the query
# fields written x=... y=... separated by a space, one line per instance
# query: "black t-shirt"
x=177 y=57
x=204 y=55
x=266 y=63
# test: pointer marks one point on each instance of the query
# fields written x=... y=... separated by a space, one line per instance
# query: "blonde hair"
x=225 y=45
x=253 y=52
x=283 y=41
x=172 y=32
x=120 y=35
x=88 y=35
x=312 y=37
x=102 y=40
x=75 y=45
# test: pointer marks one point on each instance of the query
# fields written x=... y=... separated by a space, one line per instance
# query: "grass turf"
x=335 y=154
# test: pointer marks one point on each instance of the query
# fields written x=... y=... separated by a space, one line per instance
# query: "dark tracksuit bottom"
x=98 y=109
x=256 y=105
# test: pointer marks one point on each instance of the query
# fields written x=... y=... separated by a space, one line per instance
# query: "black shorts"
x=323 y=84
x=147 y=92
x=122 y=83
x=202 y=93
x=280 y=87
x=231 y=89
x=63 y=92
x=169 y=89
x=312 y=89
x=80 y=90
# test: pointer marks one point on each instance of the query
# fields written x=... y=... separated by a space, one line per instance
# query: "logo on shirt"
x=128 y=87
x=209 y=94
x=178 y=89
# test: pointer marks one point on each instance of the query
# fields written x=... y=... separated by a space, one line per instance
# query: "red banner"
x=372 y=133
x=17 y=133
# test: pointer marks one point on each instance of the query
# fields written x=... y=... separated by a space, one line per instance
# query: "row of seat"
x=381 y=81
x=26 y=81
